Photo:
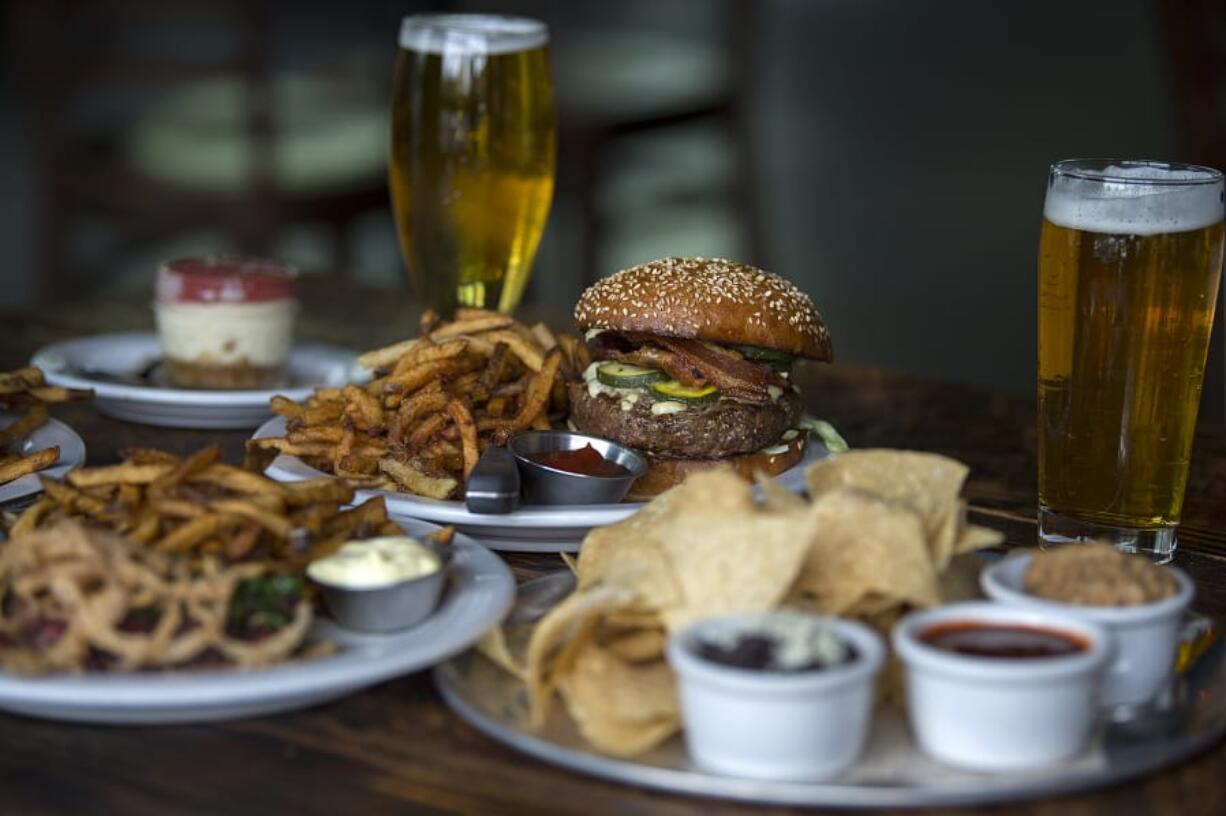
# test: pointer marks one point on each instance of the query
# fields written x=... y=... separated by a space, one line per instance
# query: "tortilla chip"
x=626 y=619
x=559 y=636
x=629 y=692
x=727 y=554
x=716 y=489
x=775 y=496
x=637 y=645
x=701 y=548
x=974 y=537
x=624 y=739
x=493 y=645
x=622 y=708
x=928 y=483
x=863 y=547
x=630 y=554
x=870 y=605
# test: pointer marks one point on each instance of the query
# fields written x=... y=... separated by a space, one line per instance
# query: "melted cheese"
x=667 y=407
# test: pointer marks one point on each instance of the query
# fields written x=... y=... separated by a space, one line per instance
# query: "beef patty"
x=723 y=428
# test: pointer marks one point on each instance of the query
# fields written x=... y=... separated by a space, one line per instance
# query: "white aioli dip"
x=375 y=562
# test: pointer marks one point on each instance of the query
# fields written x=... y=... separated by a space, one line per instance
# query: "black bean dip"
x=781 y=641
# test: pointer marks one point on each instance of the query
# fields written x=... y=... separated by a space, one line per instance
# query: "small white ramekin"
x=1000 y=714
x=1144 y=637
x=802 y=726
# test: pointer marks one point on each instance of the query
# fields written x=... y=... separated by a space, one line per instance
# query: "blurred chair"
x=1196 y=44
x=156 y=118
x=614 y=85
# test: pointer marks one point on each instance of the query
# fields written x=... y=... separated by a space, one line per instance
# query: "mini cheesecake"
x=225 y=323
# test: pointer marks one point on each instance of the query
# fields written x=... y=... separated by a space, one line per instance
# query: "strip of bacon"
x=668 y=362
x=690 y=362
x=733 y=376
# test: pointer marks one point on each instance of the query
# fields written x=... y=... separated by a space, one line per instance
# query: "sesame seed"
x=684 y=289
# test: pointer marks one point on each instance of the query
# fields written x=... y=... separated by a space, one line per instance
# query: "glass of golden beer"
x=472 y=155
x=1130 y=257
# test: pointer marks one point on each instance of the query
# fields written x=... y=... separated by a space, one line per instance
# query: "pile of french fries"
x=199 y=506
x=26 y=393
x=434 y=403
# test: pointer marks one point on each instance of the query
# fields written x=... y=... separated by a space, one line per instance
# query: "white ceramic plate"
x=538 y=528
x=480 y=590
x=54 y=432
x=112 y=365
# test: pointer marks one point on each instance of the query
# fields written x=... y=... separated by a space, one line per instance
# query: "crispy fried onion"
x=691 y=362
x=77 y=598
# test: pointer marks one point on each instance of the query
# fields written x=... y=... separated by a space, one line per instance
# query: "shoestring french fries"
x=25 y=392
x=198 y=506
x=434 y=403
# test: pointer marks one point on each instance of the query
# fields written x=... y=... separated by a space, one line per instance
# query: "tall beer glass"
x=472 y=155
x=1129 y=262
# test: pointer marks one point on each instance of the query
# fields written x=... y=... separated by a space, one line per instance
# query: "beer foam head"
x=1133 y=198
x=471 y=34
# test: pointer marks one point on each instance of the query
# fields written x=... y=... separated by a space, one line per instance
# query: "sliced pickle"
x=781 y=360
x=673 y=390
x=621 y=375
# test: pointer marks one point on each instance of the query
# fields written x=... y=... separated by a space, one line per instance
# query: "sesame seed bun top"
x=715 y=300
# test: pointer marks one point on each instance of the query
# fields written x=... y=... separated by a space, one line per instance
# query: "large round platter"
x=116 y=365
x=892 y=772
x=479 y=592
x=528 y=529
x=52 y=433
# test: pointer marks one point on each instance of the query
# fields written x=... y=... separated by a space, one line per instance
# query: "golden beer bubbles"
x=472 y=155
x=1128 y=281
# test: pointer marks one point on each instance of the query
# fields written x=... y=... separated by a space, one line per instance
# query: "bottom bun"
x=662 y=472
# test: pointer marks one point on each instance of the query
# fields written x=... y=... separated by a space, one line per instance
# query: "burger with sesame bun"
x=691 y=365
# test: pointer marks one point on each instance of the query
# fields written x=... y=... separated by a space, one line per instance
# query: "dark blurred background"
x=889 y=157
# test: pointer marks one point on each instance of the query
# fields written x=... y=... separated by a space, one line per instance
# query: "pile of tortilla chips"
x=871 y=543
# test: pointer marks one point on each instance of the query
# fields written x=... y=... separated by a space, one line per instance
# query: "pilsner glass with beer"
x=472 y=155
x=1130 y=258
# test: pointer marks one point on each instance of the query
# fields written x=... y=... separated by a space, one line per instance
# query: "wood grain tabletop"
x=396 y=748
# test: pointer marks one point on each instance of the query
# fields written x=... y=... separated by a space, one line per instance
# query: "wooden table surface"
x=397 y=748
